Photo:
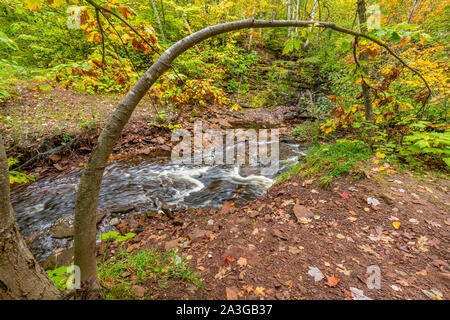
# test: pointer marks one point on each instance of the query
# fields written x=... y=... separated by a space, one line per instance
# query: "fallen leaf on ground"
x=396 y=224
x=422 y=273
x=372 y=201
x=242 y=262
x=315 y=273
x=259 y=291
x=332 y=281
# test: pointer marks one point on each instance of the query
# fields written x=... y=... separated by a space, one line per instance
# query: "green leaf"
x=395 y=37
x=109 y=235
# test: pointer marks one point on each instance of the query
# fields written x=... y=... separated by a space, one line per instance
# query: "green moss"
x=331 y=160
x=124 y=270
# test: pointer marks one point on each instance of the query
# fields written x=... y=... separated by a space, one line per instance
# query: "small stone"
x=302 y=212
x=114 y=222
x=196 y=234
x=138 y=291
x=122 y=209
x=210 y=222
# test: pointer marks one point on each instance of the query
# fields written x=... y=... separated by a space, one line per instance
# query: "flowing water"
x=140 y=182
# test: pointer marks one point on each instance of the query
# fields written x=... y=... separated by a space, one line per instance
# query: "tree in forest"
x=89 y=186
x=21 y=276
x=361 y=10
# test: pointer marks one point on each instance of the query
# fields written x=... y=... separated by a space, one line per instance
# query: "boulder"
x=63 y=258
x=122 y=209
x=64 y=227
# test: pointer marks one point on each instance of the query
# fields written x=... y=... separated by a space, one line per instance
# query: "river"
x=139 y=182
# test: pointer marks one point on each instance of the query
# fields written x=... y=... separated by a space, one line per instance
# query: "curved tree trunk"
x=89 y=186
x=21 y=276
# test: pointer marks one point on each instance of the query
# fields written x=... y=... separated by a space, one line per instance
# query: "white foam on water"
x=185 y=174
x=263 y=181
x=34 y=209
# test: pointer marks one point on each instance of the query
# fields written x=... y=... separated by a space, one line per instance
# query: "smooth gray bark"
x=88 y=189
x=163 y=36
x=313 y=14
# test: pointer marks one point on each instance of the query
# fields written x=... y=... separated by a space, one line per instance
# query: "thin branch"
x=123 y=44
x=98 y=7
x=355 y=58
x=44 y=153
x=97 y=16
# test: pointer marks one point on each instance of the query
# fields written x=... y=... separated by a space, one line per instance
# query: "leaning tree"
x=89 y=186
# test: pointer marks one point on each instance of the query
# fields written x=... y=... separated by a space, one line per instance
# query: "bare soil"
x=265 y=250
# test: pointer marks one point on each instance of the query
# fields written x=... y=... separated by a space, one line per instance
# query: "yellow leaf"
x=33 y=4
x=381 y=168
x=396 y=224
x=259 y=291
x=380 y=155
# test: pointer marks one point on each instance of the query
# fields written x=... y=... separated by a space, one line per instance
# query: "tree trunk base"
x=21 y=277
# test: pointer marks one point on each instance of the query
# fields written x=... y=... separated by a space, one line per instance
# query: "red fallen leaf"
x=275 y=189
x=344 y=195
x=228 y=260
x=332 y=281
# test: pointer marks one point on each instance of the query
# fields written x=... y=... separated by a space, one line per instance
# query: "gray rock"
x=63 y=228
x=122 y=209
x=63 y=258
x=114 y=222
